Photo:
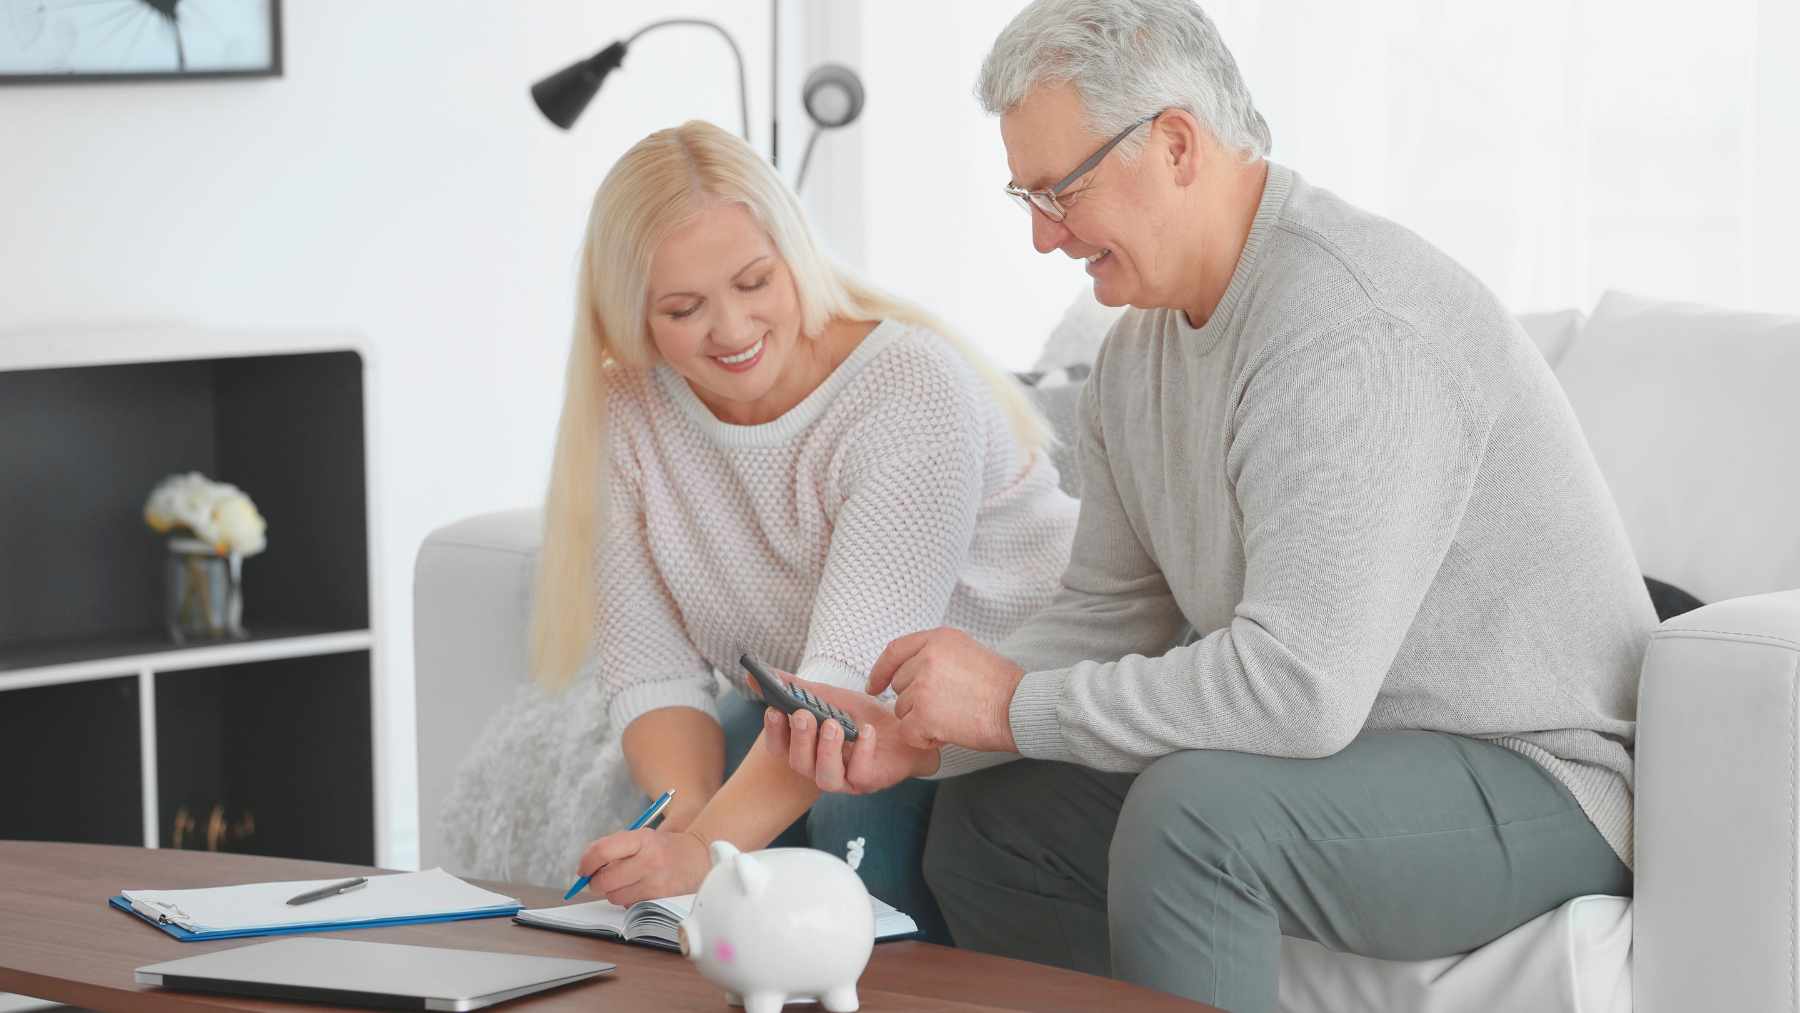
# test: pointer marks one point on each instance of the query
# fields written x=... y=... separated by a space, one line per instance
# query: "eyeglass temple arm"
x=1094 y=159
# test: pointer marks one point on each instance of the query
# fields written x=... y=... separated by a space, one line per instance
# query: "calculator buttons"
x=814 y=703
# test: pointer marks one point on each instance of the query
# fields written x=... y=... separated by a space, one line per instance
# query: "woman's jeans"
x=891 y=825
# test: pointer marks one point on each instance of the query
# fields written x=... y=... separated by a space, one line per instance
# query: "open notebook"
x=653 y=922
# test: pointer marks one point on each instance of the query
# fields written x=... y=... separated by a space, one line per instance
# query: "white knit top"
x=894 y=498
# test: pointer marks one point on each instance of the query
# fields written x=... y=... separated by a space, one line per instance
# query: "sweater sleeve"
x=642 y=655
x=901 y=536
x=1351 y=461
x=1113 y=600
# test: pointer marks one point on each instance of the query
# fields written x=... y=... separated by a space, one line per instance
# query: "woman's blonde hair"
x=661 y=182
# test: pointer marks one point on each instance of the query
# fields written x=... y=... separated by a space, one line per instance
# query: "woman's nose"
x=736 y=327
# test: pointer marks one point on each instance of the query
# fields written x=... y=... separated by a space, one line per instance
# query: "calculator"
x=788 y=698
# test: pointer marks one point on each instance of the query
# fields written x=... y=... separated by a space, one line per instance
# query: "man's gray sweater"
x=1361 y=485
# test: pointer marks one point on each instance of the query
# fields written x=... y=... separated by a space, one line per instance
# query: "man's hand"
x=639 y=865
x=879 y=758
x=951 y=690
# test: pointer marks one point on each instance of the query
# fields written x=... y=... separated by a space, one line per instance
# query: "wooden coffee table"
x=59 y=940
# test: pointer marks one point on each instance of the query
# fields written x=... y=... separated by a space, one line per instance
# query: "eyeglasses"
x=1045 y=200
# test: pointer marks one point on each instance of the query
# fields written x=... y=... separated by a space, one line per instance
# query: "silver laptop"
x=357 y=973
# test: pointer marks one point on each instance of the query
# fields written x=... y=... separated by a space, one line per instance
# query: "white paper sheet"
x=265 y=905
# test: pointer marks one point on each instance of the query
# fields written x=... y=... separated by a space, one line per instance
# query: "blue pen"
x=651 y=813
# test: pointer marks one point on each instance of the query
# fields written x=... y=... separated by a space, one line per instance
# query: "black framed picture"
x=55 y=41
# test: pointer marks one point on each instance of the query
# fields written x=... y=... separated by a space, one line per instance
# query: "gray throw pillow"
x=1056 y=393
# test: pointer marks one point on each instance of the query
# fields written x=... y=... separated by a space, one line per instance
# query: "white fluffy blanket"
x=545 y=777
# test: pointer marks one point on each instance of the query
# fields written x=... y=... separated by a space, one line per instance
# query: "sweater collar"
x=795 y=420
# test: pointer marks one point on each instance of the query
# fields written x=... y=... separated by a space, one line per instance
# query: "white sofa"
x=1693 y=415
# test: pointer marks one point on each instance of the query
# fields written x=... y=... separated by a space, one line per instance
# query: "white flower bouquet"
x=214 y=528
x=214 y=513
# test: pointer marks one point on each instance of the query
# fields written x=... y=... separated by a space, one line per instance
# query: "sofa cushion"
x=1077 y=335
x=1553 y=333
x=1575 y=959
x=1691 y=412
x=471 y=612
x=1056 y=393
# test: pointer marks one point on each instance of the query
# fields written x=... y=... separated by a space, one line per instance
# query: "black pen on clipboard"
x=329 y=890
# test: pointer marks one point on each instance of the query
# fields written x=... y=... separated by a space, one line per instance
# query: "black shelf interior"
x=83 y=447
x=268 y=758
x=71 y=757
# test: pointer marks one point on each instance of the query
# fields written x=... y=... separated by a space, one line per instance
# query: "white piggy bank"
x=786 y=923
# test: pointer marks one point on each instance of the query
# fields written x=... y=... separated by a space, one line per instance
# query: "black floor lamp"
x=832 y=95
x=563 y=95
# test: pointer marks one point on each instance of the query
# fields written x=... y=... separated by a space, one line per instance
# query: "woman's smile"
x=743 y=361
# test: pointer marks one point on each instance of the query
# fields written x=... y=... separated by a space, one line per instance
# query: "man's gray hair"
x=1127 y=59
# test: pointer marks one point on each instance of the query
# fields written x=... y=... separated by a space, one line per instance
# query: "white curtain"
x=1557 y=148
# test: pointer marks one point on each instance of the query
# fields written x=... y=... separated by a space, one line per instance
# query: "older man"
x=1402 y=722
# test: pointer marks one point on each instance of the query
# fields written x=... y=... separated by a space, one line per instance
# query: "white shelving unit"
x=88 y=422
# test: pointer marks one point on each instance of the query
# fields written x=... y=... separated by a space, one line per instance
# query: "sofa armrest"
x=471 y=612
x=1717 y=851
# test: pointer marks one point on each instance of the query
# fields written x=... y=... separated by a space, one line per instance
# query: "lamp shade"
x=563 y=95
x=832 y=95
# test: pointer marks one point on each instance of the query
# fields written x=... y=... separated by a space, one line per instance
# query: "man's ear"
x=1184 y=144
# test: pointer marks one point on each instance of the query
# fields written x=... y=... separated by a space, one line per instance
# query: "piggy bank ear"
x=721 y=851
x=752 y=876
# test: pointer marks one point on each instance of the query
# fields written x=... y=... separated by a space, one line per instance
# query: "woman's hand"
x=639 y=865
x=879 y=758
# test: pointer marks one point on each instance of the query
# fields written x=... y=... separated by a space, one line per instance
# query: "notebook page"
x=265 y=905
x=890 y=920
x=585 y=917
x=671 y=907
x=660 y=918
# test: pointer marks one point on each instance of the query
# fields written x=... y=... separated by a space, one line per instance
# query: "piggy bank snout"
x=688 y=935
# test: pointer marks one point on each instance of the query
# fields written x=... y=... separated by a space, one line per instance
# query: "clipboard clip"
x=148 y=910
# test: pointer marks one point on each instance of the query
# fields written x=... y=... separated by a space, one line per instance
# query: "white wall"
x=936 y=225
x=396 y=182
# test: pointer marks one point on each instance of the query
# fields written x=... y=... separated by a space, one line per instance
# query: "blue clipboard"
x=194 y=937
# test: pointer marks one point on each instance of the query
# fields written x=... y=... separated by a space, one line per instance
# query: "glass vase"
x=203 y=594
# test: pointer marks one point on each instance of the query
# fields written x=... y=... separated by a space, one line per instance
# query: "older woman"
x=1403 y=724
